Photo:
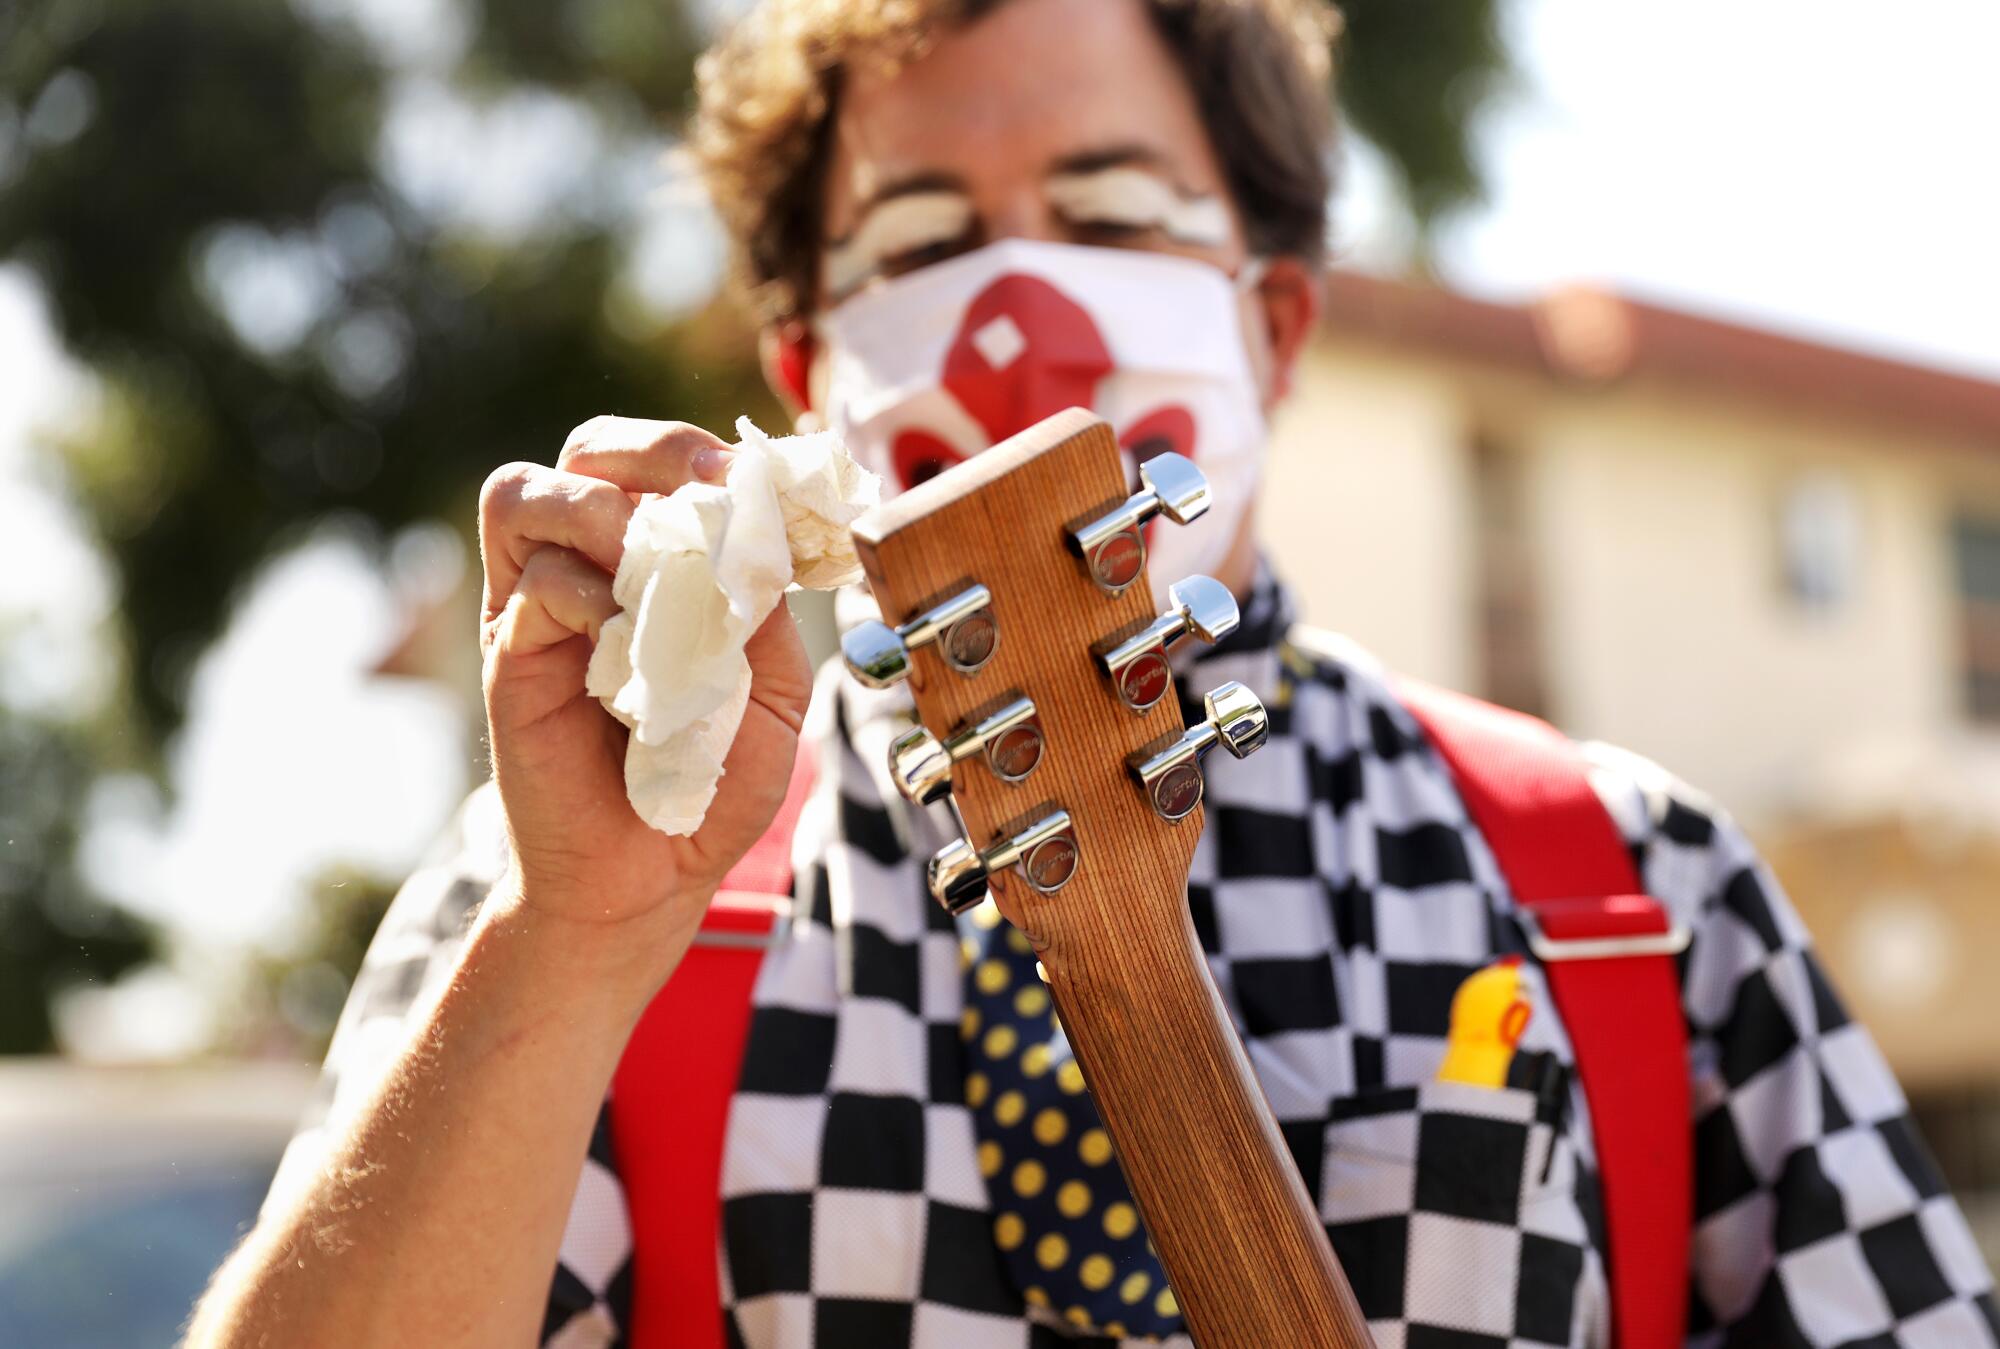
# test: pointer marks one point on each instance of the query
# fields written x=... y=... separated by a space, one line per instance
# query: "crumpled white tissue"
x=702 y=569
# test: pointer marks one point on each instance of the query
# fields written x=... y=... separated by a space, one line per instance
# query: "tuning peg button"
x=1112 y=547
x=1045 y=854
x=962 y=626
x=1010 y=737
x=1170 y=772
x=1137 y=665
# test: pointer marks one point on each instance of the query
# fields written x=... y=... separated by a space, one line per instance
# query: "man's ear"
x=1288 y=294
x=785 y=350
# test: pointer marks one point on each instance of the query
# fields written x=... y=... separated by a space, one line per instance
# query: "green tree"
x=1415 y=75
x=207 y=190
x=54 y=932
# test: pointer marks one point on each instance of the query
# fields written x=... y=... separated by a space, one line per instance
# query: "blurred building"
x=1773 y=566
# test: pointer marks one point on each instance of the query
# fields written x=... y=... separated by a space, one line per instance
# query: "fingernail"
x=709 y=465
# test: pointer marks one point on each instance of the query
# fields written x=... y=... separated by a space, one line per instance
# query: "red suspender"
x=670 y=1097
x=1608 y=951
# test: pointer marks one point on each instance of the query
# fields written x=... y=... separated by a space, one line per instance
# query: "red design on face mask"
x=1023 y=352
x=1161 y=430
x=920 y=456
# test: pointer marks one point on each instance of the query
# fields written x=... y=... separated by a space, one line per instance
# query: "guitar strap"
x=1608 y=951
x=1606 y=946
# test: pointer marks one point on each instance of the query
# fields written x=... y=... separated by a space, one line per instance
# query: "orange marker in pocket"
x=1488 y=1014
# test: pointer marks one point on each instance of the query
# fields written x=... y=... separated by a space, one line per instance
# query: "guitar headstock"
x=1015 y=602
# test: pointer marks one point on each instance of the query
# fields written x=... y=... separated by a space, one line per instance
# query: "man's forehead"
x=1014 y=93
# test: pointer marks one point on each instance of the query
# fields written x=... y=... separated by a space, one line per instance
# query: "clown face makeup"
x=1121 y=192
x=1128 y=197
x=927 y=369
x=897 y=227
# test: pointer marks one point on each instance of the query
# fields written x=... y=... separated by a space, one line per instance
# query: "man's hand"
x=551 y=539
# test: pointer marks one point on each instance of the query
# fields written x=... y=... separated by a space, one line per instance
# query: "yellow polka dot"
x=1000 y=1042
x=1095 y=1271
x=1017 y=941
x=1029 y=1178
x=1135 y=1286
x=986 y=915
x=1035 y=1060
x=1070 y=1078
x=1050 y=1126
x=1051 y=1250
x=1073 y=1199
x=968 y=1022
x=1115 y=1329
x=1120 y=1221
x=1032 y=1000
x=989 y=1158
x=1166 y=1304
x=992 y=976
x=1009 y=1231
x=1077 y=1317
x=1010 y=1107
x=1036 y=1297
x=976 y=1087
x=1094 y=1147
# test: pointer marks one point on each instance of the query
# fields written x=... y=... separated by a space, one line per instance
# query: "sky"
x=1823 y=168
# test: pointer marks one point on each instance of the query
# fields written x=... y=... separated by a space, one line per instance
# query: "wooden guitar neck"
x=995 y=602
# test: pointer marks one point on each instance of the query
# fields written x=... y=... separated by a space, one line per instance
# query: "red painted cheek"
x=920 y=456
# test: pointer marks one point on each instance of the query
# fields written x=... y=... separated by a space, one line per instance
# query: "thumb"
x=780 y=673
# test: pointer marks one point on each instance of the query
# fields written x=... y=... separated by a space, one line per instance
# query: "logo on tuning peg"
x=1010 y=737
x=1112 y=547
x=1137 y=665
x=1169 y=772
x=1044 y=852
x=963 y=627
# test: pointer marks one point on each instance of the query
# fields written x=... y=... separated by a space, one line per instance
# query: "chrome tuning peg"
x=962 y=626
x=1170 y=774
x=1044 y=852
x=1111 y=546
x=1137 y=665
x=1010 y=737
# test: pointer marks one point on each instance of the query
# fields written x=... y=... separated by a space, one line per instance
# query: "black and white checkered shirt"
x=1341 y=894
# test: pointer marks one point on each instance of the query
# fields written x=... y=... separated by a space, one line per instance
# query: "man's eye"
x=910 y=259
x=1111 y=232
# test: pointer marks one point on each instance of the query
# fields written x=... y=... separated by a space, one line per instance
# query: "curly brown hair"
x=769 y=89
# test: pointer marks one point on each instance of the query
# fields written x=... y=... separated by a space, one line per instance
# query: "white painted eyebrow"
x=1125 y=194
x=899 y=225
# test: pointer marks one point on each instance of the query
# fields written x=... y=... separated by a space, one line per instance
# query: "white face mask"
x=929 y=368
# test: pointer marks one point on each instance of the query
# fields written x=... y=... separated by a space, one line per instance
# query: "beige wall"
x=1367 y=505
x=1666 y=627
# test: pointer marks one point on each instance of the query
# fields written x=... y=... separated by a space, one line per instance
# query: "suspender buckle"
x=1606 y=927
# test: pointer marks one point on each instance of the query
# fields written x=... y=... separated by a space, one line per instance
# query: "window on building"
x=1976 y=544
x=1505 y=585
x=1819 y=538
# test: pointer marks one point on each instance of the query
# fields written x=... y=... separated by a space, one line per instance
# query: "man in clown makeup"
x=960 y=216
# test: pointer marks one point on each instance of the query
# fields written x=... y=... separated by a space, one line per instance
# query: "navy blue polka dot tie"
x=1063 y=1218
